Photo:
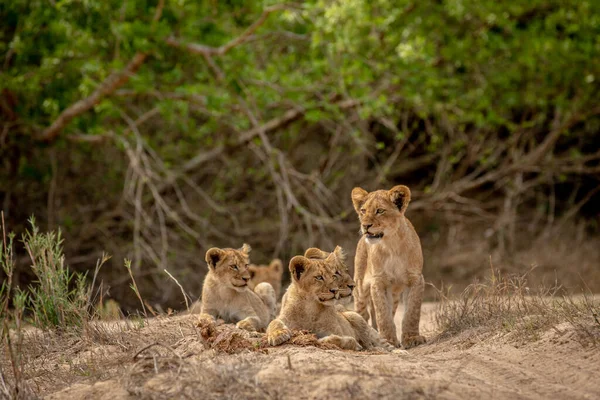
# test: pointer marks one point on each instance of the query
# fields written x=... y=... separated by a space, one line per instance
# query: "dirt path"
x=465 y=366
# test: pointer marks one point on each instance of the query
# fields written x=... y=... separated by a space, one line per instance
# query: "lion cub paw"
x=409 y=341
x=246 y=325
x=392 y=344
x=279 y=336
x=343 y=342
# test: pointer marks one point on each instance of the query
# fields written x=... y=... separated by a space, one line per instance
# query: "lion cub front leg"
x=361 y=300
x=343 y=342
x=266 y=293
x=383 y=312
x=413 y=297
x=278 y=333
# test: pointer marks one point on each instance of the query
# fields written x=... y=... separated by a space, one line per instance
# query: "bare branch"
x=271 y=125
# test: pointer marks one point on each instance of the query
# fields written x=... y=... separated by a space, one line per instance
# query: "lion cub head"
x=316 y=278
x=230 y=266
x=271 y=273
x=380 y=212
x=346 y=285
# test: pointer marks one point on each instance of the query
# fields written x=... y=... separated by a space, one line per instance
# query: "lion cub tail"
x=366 y=336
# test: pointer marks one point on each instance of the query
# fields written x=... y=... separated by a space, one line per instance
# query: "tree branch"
x=271 y=125
x=114 y=81
x=208 y=51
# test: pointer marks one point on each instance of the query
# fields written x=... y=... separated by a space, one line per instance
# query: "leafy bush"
x=59 y=298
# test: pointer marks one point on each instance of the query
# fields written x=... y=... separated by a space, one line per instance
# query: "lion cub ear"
x=213 y=256
x=276 y=265
x=359 y=196
x=313 y=252
x=245 y=248
x=339 y=253
x=400 y=196
x=298 y=267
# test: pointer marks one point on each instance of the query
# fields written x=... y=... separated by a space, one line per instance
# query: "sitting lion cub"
x=226 y=295
x=388 y=262
x=310 y=304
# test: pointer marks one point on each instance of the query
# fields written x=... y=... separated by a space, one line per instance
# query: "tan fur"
x=388 y=266
x=226 y=294
x=310 y=304
x=271 y=273
x=347 y=284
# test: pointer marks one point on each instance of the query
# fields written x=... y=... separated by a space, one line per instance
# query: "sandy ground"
x=180 y=364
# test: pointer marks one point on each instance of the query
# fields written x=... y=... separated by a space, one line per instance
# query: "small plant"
x=12 y=386
x=134 y=286
x=60 y=298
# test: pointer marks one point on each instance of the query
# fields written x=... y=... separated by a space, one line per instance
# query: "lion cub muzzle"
x=371 y=233
x=329 y=298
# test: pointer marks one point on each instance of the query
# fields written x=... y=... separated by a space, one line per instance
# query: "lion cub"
x=388 y=262
x=344 y=295
x=310 y=304
x=226 y=295
x=271 y=273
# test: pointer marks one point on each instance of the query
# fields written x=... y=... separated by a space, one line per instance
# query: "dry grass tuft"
x=505 y=303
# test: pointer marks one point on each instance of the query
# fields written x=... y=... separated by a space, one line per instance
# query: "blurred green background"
x=155 y=130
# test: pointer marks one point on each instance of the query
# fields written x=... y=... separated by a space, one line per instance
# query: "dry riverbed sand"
x=169 y=357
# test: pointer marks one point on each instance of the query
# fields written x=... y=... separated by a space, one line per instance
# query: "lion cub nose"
x=367 y=226
x=246 y=278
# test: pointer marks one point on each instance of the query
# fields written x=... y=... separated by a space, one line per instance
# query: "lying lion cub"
x=226 y=295
x=310 y=304
x=344 y=295
x=271 y=273
x=388 y=262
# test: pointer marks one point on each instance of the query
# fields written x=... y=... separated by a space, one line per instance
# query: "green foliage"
x=447 y=92
x=480 y=61
x=59 y=298
x=471 y=62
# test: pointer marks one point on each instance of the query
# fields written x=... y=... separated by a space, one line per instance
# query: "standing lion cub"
x=388 y=262
x=226 y=295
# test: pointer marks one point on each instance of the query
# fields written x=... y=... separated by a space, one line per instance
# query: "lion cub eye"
x=319 y=278
x=380 y=211
x=234 y=267
x=362 y=211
